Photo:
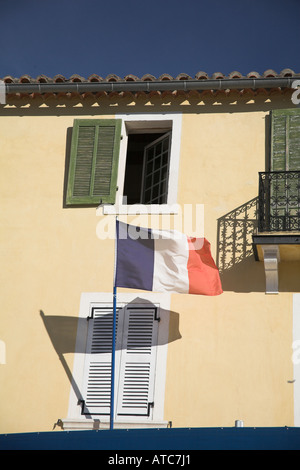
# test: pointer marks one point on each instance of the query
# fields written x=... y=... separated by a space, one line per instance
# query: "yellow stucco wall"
x=234 y=352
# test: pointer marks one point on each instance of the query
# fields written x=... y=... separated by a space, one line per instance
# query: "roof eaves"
x=148 y=83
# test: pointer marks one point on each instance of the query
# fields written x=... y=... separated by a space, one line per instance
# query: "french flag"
x=164 y=261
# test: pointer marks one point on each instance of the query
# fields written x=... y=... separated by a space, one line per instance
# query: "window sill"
x=94 y=424
x=139 y=209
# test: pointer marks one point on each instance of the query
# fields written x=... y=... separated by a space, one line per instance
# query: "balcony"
x=279 y=201
x=278 y=217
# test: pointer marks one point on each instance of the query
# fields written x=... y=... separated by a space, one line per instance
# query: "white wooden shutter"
x=97 y=378
x=137 y=371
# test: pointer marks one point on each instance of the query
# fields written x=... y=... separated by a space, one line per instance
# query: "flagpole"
x=113 y=350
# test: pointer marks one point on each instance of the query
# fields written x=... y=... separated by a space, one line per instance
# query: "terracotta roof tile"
x=235 y=75
x=59 y=78
x=217 y=76
x=253 y=75
x=148 y=77
x=26 y=79
x=165 y=76
x=287 y=73
x=43 y=79
x=77 y=78
x=269 y=73
x=113 y=78
x=94 y=78
x=183 y=76
x=131 y=77
x=201 y=76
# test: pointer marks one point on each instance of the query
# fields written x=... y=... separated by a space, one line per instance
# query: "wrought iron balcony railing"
x=279 y=201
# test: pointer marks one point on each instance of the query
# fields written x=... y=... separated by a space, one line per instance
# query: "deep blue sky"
x=155 y=36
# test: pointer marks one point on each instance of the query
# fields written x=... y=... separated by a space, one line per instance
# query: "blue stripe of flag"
x=135 y=258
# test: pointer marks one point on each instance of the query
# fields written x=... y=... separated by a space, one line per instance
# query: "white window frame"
x=160 y=119
x=75 y=419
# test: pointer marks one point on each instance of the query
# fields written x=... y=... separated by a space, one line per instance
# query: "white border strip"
x=296 y=357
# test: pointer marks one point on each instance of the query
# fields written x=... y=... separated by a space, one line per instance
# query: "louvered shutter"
x=94 y=161
x=137 y=372
x=97 y=378
x=285 y=140
x=285 y=157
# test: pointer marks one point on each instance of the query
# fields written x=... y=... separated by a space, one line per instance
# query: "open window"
x=130 y=159
x=147 y=162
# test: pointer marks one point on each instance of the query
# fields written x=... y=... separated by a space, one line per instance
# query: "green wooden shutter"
x=285 y=140
x=94 y=161
x=285 y=157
